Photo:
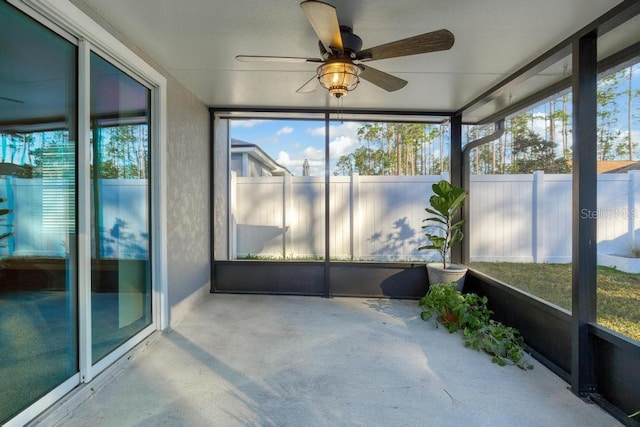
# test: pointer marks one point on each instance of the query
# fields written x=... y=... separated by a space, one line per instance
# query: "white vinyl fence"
x=42 y=217
x=519 y=218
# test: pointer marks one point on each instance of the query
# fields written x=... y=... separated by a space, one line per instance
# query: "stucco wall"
x=221 y=190
x=188 y=212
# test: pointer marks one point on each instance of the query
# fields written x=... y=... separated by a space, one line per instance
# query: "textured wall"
x=188 y=214
x=221 y=189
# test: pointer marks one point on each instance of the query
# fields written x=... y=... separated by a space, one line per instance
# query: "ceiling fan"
x=341 y=63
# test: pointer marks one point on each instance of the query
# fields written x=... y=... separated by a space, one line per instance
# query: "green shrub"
x=469 y=313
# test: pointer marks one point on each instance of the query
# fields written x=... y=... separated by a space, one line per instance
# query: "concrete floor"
x=251 y=360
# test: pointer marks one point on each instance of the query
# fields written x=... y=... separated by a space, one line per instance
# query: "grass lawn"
x=618 y=292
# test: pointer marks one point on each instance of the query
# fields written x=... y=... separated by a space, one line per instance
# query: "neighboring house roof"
x=614 y=166
x=254 y=150
x=617 y=166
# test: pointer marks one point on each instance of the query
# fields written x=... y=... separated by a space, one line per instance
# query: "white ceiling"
x=196 y=41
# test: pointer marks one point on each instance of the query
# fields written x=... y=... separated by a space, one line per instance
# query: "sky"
x=290 y=142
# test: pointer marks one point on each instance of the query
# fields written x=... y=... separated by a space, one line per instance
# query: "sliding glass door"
x=53 y=336
x=120 y=244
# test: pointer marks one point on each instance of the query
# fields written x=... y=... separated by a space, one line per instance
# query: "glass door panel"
x=120 y=272
x=38 y=310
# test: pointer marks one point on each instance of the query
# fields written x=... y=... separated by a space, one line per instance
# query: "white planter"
x=453 y=273
x=626 y=264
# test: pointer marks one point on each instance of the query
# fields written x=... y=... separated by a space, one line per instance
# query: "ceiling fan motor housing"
x=351 y=44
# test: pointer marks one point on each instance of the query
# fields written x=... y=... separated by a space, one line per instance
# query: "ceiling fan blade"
x=310 y=86
x=17 y=101
x=424 y=43
x=264 y=58
x=324 y=20
x=381 y=79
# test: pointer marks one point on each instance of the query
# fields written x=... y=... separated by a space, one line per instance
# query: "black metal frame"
x=322 y=279
x=585 y=185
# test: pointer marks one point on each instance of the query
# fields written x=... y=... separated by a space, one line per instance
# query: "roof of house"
x=239 y=146
x=617 y=166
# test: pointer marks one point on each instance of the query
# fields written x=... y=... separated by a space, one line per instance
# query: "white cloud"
x=349 y=129
x=312 y=153
x=342 y=145
x=319 y=131
x=245 y=123
x=344 y=138
x=283 y=158
x=285 y=130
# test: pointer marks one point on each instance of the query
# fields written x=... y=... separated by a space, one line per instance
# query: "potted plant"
x=444 y=303
x=445 y=203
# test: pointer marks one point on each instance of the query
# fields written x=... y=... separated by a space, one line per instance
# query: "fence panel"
x=341 y=217
x=555 y=242
x=501 y=218
x=613 y=213
x=391 y=213
x=516 y=218
x=307 y=220
x=259 y=216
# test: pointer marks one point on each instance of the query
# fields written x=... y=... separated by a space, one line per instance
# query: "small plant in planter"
x=469 y=313
x=444 y=303
x=445 y=203
x=454 y=309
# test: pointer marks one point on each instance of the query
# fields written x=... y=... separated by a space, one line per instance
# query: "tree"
x=395 y=149
x=532 y=153
x=607 y=116
x=627 y=148
x=122 y=151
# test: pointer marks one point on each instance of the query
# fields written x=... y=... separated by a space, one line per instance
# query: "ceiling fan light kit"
x=339 y=77
x=340 y=70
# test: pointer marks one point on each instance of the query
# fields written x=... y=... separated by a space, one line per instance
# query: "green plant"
x=469 y=313
x=635 y=414
x=445 y=202
x=443 y=302
x=503 y=343
x=475 y=314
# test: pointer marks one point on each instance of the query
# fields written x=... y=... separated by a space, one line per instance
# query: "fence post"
x=287 y=193
x=354 y=216
x=632 y=212
x=538 y=218
x=233 y=229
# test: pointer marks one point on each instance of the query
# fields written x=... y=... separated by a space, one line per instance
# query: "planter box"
x=628 y=265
